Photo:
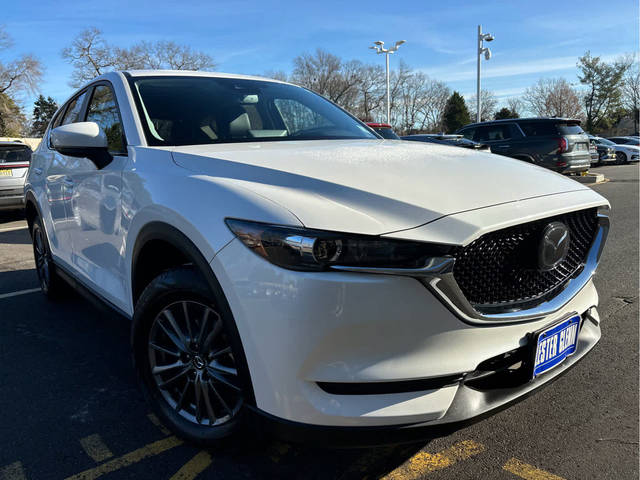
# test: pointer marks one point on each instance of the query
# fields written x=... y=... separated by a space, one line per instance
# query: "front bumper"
x=304 y=330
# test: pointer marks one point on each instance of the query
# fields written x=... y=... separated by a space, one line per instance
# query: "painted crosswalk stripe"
x=130 y=458
x=18 y=293
x=95 y=448
x=156 y=421
x=193 y=467
x=528 y=472
x=13 y=471
x=423 y=463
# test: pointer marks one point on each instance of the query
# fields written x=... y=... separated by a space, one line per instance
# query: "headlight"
x=305 y=249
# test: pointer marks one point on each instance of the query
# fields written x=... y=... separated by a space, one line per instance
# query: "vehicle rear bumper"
x=573 y=163
x=12 y=198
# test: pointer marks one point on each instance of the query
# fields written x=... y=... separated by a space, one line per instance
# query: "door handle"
x=502 y=146
x=37 y=171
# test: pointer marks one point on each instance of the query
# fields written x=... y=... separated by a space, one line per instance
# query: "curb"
x=591 y=178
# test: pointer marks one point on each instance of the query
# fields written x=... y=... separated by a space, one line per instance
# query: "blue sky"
x=533 y=38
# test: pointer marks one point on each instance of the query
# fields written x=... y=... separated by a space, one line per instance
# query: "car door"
x=97 y=235
x=56 y=194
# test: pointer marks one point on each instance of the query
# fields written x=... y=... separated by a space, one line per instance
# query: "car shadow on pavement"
x=17 y=280
x=11 y=216
x=16 y=237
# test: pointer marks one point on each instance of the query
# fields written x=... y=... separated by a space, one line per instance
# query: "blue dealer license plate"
x=555 y=344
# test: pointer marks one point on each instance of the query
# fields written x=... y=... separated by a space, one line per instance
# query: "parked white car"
x=624 y=153
x=280 y=261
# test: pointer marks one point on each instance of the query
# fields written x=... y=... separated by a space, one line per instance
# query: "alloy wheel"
x=192 y=363
x=42 y=259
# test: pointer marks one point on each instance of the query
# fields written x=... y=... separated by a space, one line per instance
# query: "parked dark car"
x=559 y=144
x=453 y=140
x=384 y=130
x=629 y=140
x=606 y=153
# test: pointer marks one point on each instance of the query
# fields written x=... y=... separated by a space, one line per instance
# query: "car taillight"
x=563 y=145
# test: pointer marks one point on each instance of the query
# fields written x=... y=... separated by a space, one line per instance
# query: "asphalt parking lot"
x=70 y=407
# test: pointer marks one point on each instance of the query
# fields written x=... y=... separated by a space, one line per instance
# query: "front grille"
x=499 y=271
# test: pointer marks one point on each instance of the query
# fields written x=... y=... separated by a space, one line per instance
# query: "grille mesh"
x=499 y=271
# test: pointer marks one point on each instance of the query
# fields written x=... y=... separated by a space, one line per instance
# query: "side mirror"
x=82 y=139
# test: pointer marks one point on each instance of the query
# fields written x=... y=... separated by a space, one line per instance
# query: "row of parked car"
x=559 y=144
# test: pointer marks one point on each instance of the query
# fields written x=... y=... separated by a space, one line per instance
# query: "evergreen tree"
x=456 y=114
x=505 y=112
x=43 y=110
x=12 y=121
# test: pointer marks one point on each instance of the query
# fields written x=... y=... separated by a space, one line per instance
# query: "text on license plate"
x=6 y=172
x=555 y=344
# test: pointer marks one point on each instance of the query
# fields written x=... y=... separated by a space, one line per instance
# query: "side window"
x=538 y=129
x=468 y=133
x=74 y=110
x=494 y=133
x=104 y=111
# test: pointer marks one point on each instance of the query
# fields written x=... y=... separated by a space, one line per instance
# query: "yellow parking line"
x=193 y=467
x=13 y=471
x=528 y=472
x=156 y=421
x=95 y=448
x=150 y=450
x=423 y=463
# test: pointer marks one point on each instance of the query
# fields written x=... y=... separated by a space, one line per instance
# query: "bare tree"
x=516 y=105
x=488 y=105
x=276 y=75
x=20 y=75
x=327 y=75
x=437 y=94
x=91 y=55
x=631 y=92
x=371 y=91
x=553 y=98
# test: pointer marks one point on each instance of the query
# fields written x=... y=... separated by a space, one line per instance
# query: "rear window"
x=19 y=153
x=538 y=129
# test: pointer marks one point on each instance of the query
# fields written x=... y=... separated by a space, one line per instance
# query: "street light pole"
x=388 y=94
x=379 y=48
x=487 y=55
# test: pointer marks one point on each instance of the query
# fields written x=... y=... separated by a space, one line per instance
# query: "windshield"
x=208 y=110
x=604 y=141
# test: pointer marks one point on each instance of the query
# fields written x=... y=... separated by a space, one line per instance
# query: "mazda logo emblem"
x=554 y=245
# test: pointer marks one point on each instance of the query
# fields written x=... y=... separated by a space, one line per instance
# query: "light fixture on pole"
x=379 y=48
x=482 y=37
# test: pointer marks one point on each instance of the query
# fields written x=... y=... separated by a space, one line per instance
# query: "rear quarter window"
x=539 y=129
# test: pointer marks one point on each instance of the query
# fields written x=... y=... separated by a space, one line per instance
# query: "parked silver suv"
x=15 y=158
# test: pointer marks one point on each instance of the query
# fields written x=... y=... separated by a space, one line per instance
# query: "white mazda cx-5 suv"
x=282 y=263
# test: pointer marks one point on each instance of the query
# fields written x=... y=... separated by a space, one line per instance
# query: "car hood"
x=371 y=186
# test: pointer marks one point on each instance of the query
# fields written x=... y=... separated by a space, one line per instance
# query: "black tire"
x=175 y=403
x=621 y=158
x=51 y=284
